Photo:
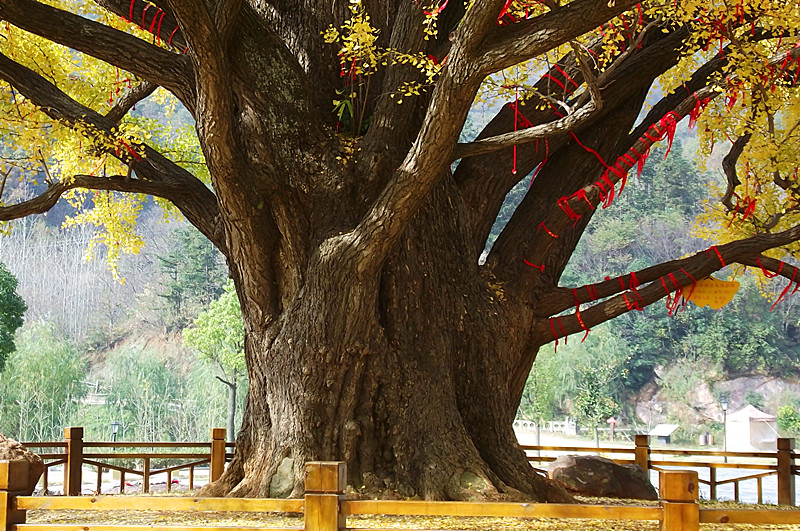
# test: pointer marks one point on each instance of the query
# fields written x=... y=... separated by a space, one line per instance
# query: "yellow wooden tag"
x=711 y=292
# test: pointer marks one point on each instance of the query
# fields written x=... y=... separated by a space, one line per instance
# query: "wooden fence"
x=75 y=454
x=780 y=463
x=326 y=508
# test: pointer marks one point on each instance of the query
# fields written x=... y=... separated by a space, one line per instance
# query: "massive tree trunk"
x=372 y=334
x=402 y=373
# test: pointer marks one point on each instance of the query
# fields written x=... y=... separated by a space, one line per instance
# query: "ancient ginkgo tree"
x=323 y=169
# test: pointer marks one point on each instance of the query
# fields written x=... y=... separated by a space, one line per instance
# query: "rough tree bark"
x=372 y=333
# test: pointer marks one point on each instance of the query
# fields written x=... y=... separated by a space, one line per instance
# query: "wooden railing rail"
x=325 y=507
x=75 y=457
x=780 y=463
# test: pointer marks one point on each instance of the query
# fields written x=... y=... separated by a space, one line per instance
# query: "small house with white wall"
x=751 y=430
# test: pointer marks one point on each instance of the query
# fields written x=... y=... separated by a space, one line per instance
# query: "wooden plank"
x=714 y=453
x=147 y=444
x=180 y=467
x=13 y=475
x=499 y=509
x=748 y=516
x=583 y=449
x=150 y=527
x=322 y=513
x=145 y=455
x=681 y=516
x=745 y=478
x=158 y=503
x=698 y=464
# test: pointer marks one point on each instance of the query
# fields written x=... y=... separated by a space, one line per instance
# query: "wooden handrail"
x=325 y=507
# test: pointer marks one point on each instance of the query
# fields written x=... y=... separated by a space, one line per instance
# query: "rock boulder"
x=592 y=475
x=11 y=450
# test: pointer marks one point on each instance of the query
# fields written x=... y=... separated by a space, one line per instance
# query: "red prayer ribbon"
x=539 y=267
x=719 y=255
x=785 y=290
x=548 y=231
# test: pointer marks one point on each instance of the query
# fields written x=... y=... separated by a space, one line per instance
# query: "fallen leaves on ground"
x=245 y=520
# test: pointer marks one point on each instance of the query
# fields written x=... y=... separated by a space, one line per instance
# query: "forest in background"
x=96 y=349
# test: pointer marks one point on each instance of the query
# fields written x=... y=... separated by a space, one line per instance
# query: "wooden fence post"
x=73 y=475
x=217 y=466
x=325 y=483
x=641 y=452
x=13 y=482
x=678 y=490
x=786 y=487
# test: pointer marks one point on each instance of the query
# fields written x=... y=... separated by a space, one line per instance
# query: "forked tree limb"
x=468 y=63
x=141 y=13
x=157 y=65
x=778 y=267
x=129 y=99
x=684 y=272
x=514 y=43
x=195 y=200
x=529 y=134
x=589 y=197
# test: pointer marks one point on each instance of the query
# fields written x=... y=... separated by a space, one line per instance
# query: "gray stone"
x=11 y=450
x=283 y=481
x=592 y=475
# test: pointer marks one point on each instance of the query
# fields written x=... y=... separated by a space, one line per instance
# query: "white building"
x=751 y=430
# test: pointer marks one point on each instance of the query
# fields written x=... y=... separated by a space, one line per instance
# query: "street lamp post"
x=114 y=431
x=724 y=403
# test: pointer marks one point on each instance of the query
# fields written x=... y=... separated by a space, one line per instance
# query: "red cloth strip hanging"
x=785 y=291
x=719 y=255
x=504 y=10
x=130 y=17
x=539 y=267
x=437 y=10
x=172 y=35
x=694 y=114
x=694 y=283
x=769 y=274
x=561 y=326
x=144 y=15
x=557 y=82
x=553 y=331
x=566 y=76
x=153 y=23
x=667 y=291
x=130 y=150
x=583 y=326
x=542 y=226
x=592 y=290
x=563 y=203
x=158 y=31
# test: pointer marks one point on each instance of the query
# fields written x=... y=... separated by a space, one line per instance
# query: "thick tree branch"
x=114 y=183
x=216 y=113
x=130 y=98
x=458 y=83
x=729 y=167
x=165 y=28
x=684 y=272
x=159 y=66
x=189 y=194
x=225 y=14
x=515 y=43
x=777 y=267
x=587 y=198
x=523 y=136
